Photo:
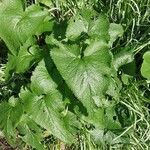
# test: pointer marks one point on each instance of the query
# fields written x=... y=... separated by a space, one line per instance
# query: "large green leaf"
x=8 y=20
x=145 y=69
x=16 y=24
x=87 y=73
x=46 y=108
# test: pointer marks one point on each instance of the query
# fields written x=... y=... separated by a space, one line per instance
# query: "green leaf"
x=76 y=26
x=47 y=108
x=114 y=87
x=18 y=25
x=31 y=20
x=9 y=119
x=29 y=54
x=111 y=119
x=46 y=2
x=47 y=111
x=8 y=20
x=26 y=57
x=88 y=75
x=126 y=79
x=31 y=133
x=99 y=28
x=96 y=28
x=122 y=57
x=115 y=31
x=11 y=5
x=129 y=68
x=145 y=69
x=88 y=14
x=42 y=82
x=105 y=117
x=45 y=26
x=10 y=66
x=102 y=137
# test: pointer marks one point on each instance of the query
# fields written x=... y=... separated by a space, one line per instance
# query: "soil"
x=4 y=145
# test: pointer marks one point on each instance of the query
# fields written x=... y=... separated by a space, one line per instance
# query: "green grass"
x=138 y=105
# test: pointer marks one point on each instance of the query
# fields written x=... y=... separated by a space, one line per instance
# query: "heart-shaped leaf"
x=87 y=73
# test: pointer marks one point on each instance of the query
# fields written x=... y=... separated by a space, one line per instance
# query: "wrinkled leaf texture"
x=18 y=24
x=45 y=106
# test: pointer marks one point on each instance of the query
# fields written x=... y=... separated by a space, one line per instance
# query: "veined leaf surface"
x=45 y=106
x=87 y=74
x=17 y=25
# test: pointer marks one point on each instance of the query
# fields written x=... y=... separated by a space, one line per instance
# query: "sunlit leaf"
x=145 y=69
x=18 y=25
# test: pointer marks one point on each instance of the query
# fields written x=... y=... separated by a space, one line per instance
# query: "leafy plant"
x=72 y=87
